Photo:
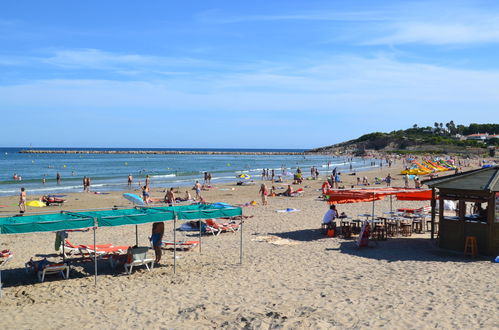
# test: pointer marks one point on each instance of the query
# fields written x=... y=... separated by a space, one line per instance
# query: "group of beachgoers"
x=86 y=184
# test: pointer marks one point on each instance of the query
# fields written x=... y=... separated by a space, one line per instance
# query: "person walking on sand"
x=406 y=180
x=22 y=201
x=130 y=181
x=158 y=229
x=264 y=192
x=197 y=187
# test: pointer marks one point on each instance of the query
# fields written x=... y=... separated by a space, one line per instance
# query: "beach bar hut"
x=476 y=197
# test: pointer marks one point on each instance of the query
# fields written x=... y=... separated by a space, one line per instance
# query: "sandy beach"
x=292 y=276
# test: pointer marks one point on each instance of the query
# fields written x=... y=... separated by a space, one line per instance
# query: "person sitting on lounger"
x=37 y=265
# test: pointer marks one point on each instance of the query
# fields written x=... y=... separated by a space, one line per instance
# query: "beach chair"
x=62 y=269
x=139 y=258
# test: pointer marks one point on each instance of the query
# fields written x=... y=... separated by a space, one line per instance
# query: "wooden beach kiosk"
x=475 y=220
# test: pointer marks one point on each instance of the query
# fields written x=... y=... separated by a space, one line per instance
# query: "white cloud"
x=358 y=85
x=433 y=33
x=415 y=22
x=98 y=59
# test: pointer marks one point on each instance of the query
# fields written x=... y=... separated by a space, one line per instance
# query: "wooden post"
x=433 y=211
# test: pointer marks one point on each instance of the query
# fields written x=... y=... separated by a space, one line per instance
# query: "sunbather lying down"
x=291 y=193
x=39 y=265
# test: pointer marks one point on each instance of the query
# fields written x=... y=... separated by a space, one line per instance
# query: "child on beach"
x=22 y=201
x=145 y=194
x=264 y=192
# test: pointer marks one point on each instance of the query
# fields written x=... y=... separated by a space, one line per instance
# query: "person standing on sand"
x=22 y=201
x=88 y=184
x=197 y=187
x=158 y=229
x=264 y=192
x=388 y=180
x=148 y=180
x=84 y=183
x=145 y=194
x=130 y=181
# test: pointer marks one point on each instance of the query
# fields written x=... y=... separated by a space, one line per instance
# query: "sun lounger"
x=181 y=245
x=5 y=257
x=44 y=267
x=62 y=269
x=194 y=226
x=139 y=258
x=72 y=249
x=226 y=227
x=101 y=252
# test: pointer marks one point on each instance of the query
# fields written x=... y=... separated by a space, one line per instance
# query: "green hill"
x=447 y=138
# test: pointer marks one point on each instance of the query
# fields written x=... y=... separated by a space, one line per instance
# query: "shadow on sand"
x=304 y=235
x=405 y=249
x=393 y=249
x=79 y=268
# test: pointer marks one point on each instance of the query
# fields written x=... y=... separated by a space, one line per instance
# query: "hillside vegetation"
x=437 y=139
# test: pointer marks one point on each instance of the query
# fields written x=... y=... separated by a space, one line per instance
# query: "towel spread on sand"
x=274 y=240
x=288 y=210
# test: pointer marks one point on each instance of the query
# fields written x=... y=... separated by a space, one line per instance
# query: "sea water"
x=109 y=172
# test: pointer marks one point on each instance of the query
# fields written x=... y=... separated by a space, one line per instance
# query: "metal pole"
x=391 y=206
x=136 y=235
x=174 y=244
x=63 y=243
x=200 y=237
x=241 y=243
x=95 y=256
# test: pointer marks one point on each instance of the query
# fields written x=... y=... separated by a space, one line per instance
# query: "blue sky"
x=251 y=74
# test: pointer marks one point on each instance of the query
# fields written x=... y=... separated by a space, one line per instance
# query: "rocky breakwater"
x=159 y=152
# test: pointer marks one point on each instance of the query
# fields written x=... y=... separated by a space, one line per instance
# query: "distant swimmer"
x=58 y=178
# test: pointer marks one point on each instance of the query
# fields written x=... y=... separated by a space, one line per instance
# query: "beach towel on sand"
x=288 y=210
